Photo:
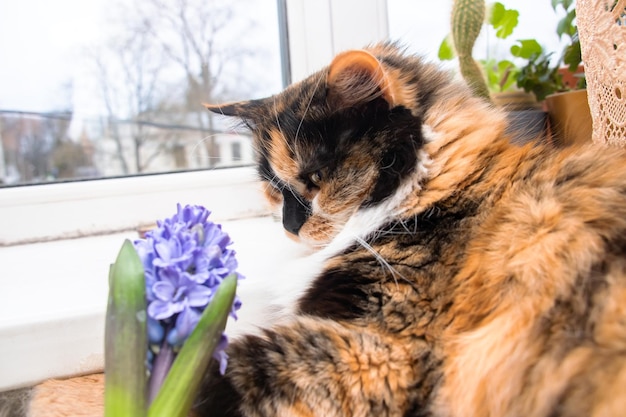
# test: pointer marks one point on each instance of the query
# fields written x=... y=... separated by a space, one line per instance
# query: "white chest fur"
x=283 y=270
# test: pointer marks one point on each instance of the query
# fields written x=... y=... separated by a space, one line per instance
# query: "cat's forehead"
x=305 y=98
x=298 y=114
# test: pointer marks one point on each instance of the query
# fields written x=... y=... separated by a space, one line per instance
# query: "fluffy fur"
x=457 y=274
x=81 y=396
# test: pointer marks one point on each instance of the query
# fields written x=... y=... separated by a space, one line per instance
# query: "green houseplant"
x=538 y=72
x=490 y=78
x=468 y=19
x=559 y=83
x=529 y=70
x=495 y=80
x=543 y=76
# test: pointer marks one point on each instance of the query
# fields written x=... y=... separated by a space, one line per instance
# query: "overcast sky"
x=41 y=48
x=41 y=42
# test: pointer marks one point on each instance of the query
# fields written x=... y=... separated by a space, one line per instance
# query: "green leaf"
x=505 y=65
x=180 y=387
x=503 y=20
x=565 y=3
x=572 y=56
x=496 y=11
x=566 y=26
x=525 y=48
x=539 y=77
x=446 y=49
x=126 y=337
x=501 y=75
x=508 y=74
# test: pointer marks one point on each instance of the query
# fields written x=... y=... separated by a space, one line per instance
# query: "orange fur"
x=356 y=76
x=499 y=279
x=75 y=397
x=284 y=165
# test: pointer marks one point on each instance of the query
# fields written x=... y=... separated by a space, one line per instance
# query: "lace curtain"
x=602 y=31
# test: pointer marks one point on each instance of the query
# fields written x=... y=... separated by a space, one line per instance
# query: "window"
x=124 y=83
x=317 y=30
x=236 y=151
x=125 y=98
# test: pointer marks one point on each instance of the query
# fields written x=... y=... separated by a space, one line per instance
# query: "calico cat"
x=456 y=274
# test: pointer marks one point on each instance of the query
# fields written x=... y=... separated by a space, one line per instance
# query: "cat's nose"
x=292 y=227
x=296 y=209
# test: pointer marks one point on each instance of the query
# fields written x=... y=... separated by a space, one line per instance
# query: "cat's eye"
x=316 y=178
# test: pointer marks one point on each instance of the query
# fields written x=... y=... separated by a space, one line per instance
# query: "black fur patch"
x=400 y=136
x=338 y=294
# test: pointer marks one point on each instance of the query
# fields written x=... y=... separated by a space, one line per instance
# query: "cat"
x=454 y=274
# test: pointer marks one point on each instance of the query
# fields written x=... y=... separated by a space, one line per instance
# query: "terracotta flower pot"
x=570 y=118
x=571 y=79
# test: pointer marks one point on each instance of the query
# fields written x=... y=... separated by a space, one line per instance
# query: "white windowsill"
x=54 y=299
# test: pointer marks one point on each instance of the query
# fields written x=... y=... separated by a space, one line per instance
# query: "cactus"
x=468 y=17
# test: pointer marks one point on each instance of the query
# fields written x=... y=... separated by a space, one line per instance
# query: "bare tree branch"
x=188 y=43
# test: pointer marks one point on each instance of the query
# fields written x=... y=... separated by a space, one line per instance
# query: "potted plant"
x=468 y=19
x=538 y=73
x=494 y=80
x=559 y=85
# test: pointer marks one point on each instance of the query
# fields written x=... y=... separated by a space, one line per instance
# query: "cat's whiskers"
x=295 y=194
x=202 y=141
x=195 y=149
x=385 y=265
x=403 y=223
x=273 y=180
x=392 y=231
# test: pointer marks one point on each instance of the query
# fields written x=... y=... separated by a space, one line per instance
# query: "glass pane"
x=95 y=88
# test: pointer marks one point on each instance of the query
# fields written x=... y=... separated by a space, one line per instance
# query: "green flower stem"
x=126 y=337
x=182 y=382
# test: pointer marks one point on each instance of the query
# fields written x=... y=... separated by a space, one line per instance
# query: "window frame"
x=318 y=30
x=39 y=213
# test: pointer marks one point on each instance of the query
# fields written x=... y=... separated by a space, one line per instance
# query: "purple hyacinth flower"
x=185 y=259
x=174 y=292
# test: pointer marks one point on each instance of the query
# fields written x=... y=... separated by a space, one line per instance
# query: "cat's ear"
x=357 y=77
x=242 y=109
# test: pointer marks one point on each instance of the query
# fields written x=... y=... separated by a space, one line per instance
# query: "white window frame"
x=47 y=220
x=318 y=30
x=40 y=213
